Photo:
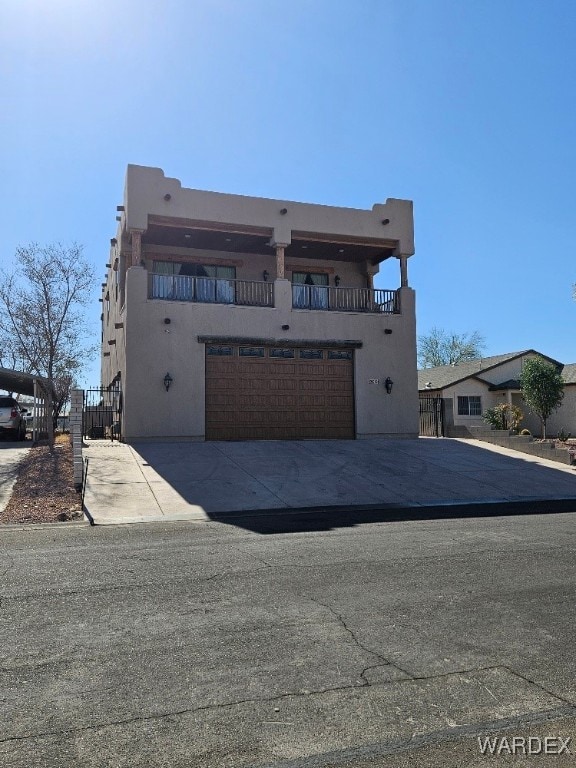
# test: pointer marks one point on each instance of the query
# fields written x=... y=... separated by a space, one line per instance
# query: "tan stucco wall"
x=470 y=387
x=564 y=418
x=153 y=348
x=146 y=190
x=508 y=370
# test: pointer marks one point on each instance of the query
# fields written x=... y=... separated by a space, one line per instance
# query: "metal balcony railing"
x=211 y=290
x=345 y=299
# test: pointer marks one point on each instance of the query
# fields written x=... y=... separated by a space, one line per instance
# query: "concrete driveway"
x=197 y=481
x=11 y=454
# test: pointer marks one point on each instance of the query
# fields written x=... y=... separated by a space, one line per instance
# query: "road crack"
x=383 y=661
x=539 y=686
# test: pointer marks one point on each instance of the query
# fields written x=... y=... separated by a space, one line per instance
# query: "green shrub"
x=503 y=416
x=564 y=436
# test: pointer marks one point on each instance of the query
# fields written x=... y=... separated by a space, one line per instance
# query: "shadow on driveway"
x=287 y=486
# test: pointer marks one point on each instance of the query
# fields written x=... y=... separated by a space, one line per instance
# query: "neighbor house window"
x=469 y=405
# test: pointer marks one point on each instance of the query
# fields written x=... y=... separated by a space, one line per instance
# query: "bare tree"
x=10 y=355
x=40 y=311
x=440 y=347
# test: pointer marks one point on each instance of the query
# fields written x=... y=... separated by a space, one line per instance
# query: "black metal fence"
x=102 y=414
x=432 y=416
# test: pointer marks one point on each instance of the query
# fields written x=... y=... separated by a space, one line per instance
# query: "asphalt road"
x=381 y=644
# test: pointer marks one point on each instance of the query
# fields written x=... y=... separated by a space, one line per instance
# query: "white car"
x=12 y=418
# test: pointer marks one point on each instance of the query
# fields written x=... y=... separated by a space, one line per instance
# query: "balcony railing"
x=211 y=290
x=345 y=299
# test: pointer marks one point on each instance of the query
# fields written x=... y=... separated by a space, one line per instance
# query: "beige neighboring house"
x=470 y=388
x=228 y=317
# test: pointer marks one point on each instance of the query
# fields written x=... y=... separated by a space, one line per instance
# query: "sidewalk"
x=199 y=481
x=11 y=454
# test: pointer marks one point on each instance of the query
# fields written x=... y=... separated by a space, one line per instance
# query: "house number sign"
x=373 y=381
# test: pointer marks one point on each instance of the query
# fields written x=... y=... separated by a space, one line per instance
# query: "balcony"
x=319 y=297
x=211 y=290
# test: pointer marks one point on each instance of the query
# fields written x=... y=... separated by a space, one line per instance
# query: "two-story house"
x=228 y=317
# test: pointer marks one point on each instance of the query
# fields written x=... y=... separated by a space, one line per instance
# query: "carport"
x=33 y=386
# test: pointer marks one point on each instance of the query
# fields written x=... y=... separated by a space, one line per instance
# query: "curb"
x=281 y=518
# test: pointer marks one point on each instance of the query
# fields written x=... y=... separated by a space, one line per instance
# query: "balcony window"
x=309 y=290
x=208 y=282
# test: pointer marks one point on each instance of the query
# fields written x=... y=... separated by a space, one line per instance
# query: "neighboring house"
x=229 y=317
x=470 y=388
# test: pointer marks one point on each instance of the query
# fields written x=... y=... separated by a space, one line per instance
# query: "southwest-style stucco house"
x=470 y=388
x=228 y=317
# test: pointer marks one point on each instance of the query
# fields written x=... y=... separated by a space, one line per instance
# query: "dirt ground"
x=44 y=491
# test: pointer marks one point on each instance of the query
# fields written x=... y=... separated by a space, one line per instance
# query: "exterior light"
x=285 y=327
x=388 y=384
x=337 y=280
x=167 y=196
x=283 y=211
x=265 y=275
x=167 y=381
x=385 y=221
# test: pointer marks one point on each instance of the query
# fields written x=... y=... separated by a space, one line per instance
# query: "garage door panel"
x=279 y=395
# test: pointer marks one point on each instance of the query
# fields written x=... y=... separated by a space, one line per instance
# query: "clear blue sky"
x=465 y=106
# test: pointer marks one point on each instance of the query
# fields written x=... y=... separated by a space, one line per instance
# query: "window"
x=469 y=405
x=309 y=290
x=343 y=354
x=185 y=281
x=251 y=351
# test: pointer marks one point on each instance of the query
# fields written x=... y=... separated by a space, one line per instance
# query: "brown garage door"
x=269 y=393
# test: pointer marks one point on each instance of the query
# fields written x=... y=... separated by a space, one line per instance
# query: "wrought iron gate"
x=432 y=416
x=102 y=413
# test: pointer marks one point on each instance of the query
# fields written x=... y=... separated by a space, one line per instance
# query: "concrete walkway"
x=197 y=481
x=11 y=454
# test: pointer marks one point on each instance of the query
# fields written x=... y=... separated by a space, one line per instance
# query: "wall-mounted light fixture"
x=167 y=321
x=388 y=384
x=385 y=221
x=119 y=207
x=167 y=196
x=265 y=275
x=113 y=241
x=285 y=327
x=283 y=211
x=337 y=280
x=168 y=381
